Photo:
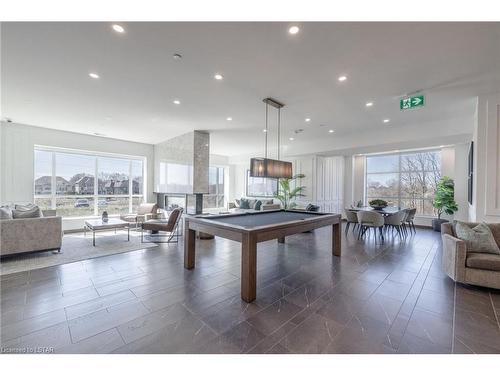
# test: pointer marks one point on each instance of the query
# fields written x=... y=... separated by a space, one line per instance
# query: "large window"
x=215 y=196
x=66 y=181
x=405 y=179
x=261 y=187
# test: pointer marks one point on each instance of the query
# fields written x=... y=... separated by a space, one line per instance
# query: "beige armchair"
x=470 y=268
x=145 y=212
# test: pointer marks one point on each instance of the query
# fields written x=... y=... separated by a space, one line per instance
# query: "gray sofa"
x=24 y=235
x=466 y=267
x=267 y=205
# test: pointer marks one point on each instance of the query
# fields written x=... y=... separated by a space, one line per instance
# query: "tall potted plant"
x=444 y=201
x=286 y=194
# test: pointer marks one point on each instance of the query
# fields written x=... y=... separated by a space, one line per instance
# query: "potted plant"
x=378 y=204
x=444 y=201
x=286 y=194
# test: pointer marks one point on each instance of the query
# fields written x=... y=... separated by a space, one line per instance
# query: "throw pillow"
x=238 y=202
x=5 y=213
x=244 y=204
x=258 y=205
x=251 y=203
x=26 y=211
x=478 y=239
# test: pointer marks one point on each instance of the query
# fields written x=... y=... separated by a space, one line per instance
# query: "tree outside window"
x=406 y=180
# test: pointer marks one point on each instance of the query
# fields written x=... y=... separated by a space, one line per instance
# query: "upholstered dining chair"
x=370 y=219
x=410 y=216
x=352 y=218
x=170 y=226
x=396 y=221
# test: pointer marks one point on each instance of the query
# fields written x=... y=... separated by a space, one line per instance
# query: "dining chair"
x=411 y=212
x=396 y=221
x=352 y=218
x=370 y=219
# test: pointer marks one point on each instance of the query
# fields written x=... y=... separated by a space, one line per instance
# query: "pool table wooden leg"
x=336 y=239
x=189 y=247
x=248 y=268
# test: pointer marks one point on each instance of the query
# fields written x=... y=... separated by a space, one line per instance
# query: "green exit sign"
x=412 y=102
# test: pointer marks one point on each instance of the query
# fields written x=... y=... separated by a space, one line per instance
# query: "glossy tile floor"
x=378 y=298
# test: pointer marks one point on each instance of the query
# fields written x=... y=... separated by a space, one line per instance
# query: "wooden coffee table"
x=97 y=225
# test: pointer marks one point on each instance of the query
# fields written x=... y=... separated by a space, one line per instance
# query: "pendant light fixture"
x=271 y=168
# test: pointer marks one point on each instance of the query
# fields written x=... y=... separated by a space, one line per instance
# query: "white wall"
x=323 y=181
x=486 y=191
x=16 y=168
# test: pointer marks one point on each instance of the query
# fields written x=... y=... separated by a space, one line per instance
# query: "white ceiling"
x=45 y=78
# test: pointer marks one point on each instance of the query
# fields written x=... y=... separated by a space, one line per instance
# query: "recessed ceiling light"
x=218 y=76
x=94 y=75
x=264 y=130
x=291 y=138
x=293 y=30
x=386 y=120
x=177 y=56
x=177 y=101
x=118 y=28
x=331 y=131
x=308 y=120
x=369 y=104
x=342 y=78
x=229 y=119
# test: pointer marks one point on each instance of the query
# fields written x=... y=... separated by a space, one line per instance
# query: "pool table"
x=252 y=228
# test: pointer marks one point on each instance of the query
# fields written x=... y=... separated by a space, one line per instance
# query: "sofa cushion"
x=25 y=211
x=478 y=239
x=494 y=227
x=483 y=261
x=244 y=204
x=5 y=213
x=257 y=206
x=251 y=203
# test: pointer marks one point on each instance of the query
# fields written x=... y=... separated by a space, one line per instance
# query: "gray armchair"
x=145 y=212
x=470 y=268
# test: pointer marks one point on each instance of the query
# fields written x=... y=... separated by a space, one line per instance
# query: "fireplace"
x=192 y=204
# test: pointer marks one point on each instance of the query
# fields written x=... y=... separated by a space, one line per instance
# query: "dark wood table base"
x=249 y=237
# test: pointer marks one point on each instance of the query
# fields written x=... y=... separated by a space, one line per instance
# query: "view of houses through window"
x=66 y=181
x=405 y=179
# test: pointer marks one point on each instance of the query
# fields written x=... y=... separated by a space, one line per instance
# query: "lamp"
x=271 y=168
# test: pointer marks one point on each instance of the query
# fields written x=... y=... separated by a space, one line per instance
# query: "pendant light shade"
x=270 y=168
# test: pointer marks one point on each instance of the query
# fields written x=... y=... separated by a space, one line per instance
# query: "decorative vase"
x=105 y=217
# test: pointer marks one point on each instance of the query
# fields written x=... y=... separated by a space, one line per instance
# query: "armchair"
x=481 y=269
x=145 y=212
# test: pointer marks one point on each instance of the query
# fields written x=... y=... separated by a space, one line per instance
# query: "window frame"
x=95 y=196
x=399 y=199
